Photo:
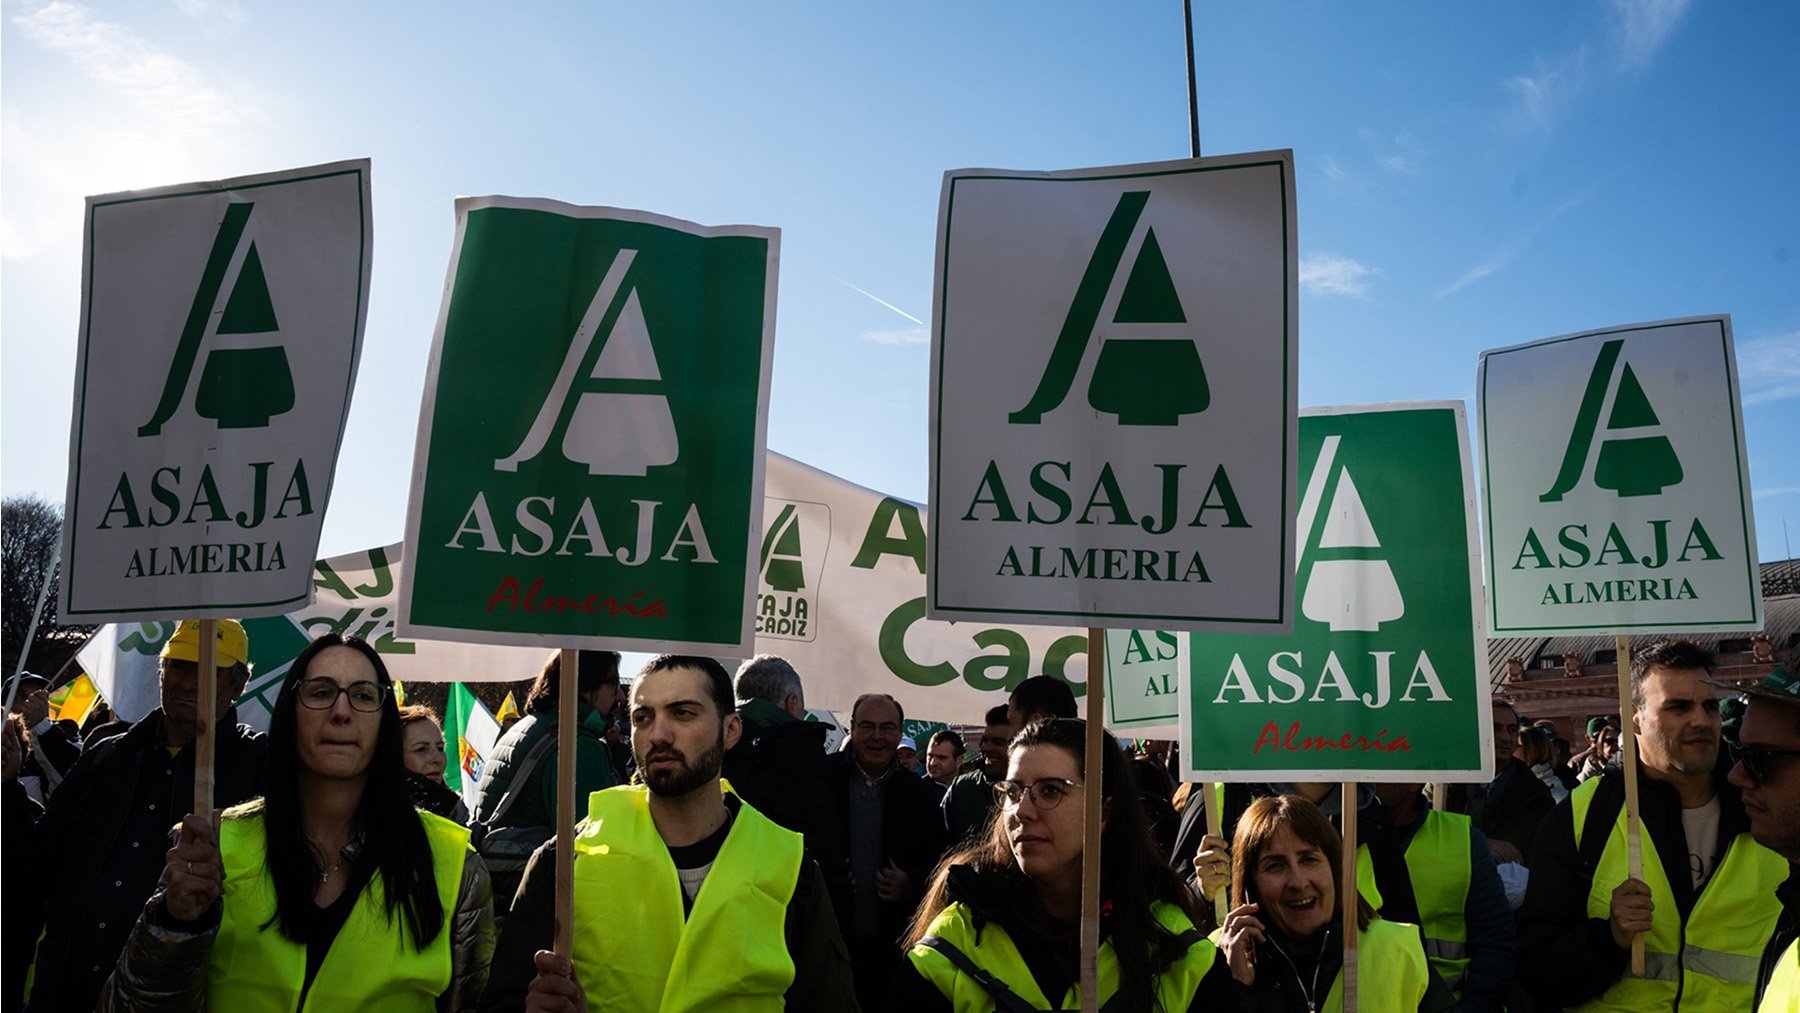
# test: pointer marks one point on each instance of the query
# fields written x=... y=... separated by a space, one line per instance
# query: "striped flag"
x=469 y=736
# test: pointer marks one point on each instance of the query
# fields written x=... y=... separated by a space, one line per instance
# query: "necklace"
x=326 y=874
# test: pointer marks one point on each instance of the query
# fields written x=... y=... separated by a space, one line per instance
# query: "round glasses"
x=320 y=694
x=1045 y=792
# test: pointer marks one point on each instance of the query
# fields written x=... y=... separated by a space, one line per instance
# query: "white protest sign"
x=1615 y=485
x=1113 y=395
x=220 y=329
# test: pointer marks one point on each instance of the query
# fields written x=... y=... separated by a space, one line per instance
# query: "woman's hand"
x=555 y=989
x=1242 y=932
x=194 y=873
x=1212 y=865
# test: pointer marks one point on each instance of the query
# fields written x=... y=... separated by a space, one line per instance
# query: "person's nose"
x=1740 y=777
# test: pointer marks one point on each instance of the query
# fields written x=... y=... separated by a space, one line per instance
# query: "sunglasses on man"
x=1755 y=759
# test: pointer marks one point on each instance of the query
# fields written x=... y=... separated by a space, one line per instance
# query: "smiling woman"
x=1282 y=937
x=278 y=904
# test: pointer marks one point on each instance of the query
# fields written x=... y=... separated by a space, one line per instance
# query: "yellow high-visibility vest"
x=634 y=950
x=1710 y=963
x=955 y=957
x=1438 y=859
x=372 y=965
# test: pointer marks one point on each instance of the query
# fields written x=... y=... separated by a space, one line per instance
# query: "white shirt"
x=1702 y=827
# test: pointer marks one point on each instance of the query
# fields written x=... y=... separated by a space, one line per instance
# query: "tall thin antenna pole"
x=1187 y=23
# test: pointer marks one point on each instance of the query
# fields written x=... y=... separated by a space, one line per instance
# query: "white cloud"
x=1643 y=26
x=907 y=336
x=1330 y=274
x=1769 y=368
x=1540 y=97
x=115 y=56
x=1514 y=246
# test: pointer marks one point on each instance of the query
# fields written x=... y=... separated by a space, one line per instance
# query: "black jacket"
x=22 y=886
x=107 y=829
x=1289 y=979
x=912 y=833
x=779 y=767
x=1572 y=958
x=1508 y=808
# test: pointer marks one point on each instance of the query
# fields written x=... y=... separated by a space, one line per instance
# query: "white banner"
x=220 y=329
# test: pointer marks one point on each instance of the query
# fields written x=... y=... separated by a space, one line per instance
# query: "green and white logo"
x=1643 y=521
x=222 y=323
x=589 y=464
x=1384 y=675
x=792 y=564
x=1113 y=428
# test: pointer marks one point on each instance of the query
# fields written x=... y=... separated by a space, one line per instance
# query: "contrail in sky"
x=884 y=302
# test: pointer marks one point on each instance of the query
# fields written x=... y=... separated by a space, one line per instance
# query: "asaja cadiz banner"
x=1384 y=677
x=1616 y=485
x=1113 y=395
x=220 y=329
x=589 y=466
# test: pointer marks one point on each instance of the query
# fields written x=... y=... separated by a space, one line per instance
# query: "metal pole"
x=31 y=631
x=1187 y=23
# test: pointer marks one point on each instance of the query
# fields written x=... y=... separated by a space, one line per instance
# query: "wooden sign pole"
x=1634 y=851
x=1347 y=892
x=566 y=719
x=206 y=700
x=1090 y=846
x=1215 y=825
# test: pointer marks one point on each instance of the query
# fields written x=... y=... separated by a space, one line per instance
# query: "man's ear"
x=794 y=705
x=734 y=729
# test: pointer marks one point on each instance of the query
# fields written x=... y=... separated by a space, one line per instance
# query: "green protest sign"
x=589 y=465
x=1384 y=677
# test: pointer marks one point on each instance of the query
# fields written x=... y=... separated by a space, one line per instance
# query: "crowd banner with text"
x=1385 y=675
x=1615 y=484
x=1113 y=395
x=589 y=464
x=221 y=324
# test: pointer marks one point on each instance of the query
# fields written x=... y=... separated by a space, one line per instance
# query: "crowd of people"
x=338 y=872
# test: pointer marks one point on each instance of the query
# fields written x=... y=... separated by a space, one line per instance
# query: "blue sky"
x=1470 y=176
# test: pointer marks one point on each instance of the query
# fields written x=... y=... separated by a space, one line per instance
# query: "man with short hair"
x=107 y=827
x=1509 y=808
x=679 y=883
x=1765 y=771
x=892 y=835
x=1704 y=907
x=778 y=766
x=943 y=757
x=971 y=801
x=53 y=750
x=1038 y=698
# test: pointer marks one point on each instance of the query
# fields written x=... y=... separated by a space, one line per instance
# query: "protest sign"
x=1113 y=395
x=608 y=491
x=1615 y=485
x=220 y=329
x=1384 y=677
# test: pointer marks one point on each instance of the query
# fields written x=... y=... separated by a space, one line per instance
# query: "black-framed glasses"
x=1045 y=792
x=319 y=694
x=1756 y=758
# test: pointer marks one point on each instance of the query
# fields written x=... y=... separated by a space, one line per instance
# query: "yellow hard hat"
x=233 y=645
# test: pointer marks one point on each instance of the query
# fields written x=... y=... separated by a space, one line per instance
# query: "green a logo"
x=240 y=388
x=1144 y=380
x=1350 y=587
x=781 y=567
x=620 y=423
x=1639 y=464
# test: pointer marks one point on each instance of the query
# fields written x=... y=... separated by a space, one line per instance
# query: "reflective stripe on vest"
x=1709 y=962
x=1783 y=992
x=372 y=964
x=992 y=952
x=634 y=950
x=1438 y=859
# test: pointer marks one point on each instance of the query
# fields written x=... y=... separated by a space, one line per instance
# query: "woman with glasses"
x=1283 y=941
x=999 y=927
x=332 y=892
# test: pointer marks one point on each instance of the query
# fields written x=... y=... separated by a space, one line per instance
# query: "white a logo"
x=620 y=424
x=1351 y=588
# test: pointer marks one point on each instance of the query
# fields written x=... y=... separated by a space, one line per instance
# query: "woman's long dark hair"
x=1134 y=872
x=392 y=836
